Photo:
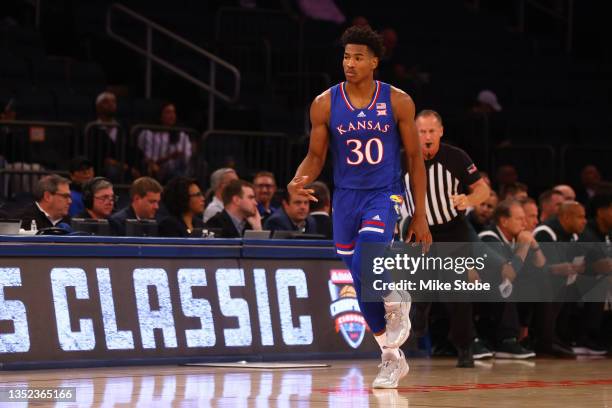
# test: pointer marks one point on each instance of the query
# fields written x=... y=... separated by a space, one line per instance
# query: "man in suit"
x=239 y=211
x=320 y=209
x=52 y=195
x=146 y=195
x=293 y=216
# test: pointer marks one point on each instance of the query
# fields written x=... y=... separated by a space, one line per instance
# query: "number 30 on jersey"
x=361 y=152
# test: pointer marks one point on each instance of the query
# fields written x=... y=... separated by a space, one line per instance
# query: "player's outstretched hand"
x=419 y=229
x=296 y=186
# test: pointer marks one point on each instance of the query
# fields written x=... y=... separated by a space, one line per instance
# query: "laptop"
x=252 y=234
x=9 y=227
x=296 y=235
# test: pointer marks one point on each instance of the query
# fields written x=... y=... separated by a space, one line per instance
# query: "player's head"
x=363 y=48
x=430 y=129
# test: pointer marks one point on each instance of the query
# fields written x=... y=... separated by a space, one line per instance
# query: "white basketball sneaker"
x=397 y=316
x=392 y=370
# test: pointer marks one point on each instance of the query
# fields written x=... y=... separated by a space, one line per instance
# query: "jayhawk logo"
x=345 y=309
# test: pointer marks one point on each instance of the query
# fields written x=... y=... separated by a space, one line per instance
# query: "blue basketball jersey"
x=365 y=143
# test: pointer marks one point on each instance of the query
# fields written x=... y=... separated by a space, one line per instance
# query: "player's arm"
x=311 y=166
x=404 y=111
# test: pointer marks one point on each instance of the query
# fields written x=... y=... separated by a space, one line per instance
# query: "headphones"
x=88 y=190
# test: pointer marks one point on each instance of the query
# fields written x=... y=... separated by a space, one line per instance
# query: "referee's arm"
x=479 y=191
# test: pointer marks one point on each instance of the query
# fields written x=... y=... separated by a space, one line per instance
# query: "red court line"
x=475 y=386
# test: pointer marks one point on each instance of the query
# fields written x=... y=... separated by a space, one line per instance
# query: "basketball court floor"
x=431 y=383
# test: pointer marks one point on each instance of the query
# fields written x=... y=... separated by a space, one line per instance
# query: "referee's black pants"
x=461 y=331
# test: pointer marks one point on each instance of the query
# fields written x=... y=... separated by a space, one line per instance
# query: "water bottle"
x=33 y=226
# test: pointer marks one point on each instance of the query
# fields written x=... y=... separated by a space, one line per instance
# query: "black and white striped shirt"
x=449 y=172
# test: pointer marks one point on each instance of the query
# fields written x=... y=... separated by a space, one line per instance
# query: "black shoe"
x=465 y=359
x=588 y=347
x=510 y=348
x=556 y=349
x=479 y=350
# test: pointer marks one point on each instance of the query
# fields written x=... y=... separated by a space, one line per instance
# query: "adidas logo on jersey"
x=376 y=217
x=361 y=115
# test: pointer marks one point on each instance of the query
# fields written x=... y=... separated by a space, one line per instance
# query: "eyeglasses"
x=270 y=186
x=66 y=196
x=198 y=194
x=107 y=198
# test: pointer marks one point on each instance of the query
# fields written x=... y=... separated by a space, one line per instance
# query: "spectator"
x=531 y=213
x=509 y=230
x=145 y=195
x=515 y=191
x=589 y=179
x=81 y=171
x=321 y=209
x=506 y=175
x=486 y=102
x=549 y=202
x=98 y=198
x=566 y=191
x=480 y=217
x=166 y=153
x=239 y=211
x=565 y=265
x=185 y=204
x=218 y=180
x=265 y=188
x=52 y=201
x=292 y=217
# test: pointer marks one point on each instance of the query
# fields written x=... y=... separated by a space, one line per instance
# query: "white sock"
x=387 y=353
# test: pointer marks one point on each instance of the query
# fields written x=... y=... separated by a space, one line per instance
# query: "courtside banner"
x=489 y=272
x=85 y=311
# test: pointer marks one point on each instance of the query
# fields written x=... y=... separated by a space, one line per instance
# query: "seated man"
x=513 y=244
x=265 y=187
x=81 y=171
x=98 y=198
x=145 y=194
x=293 y=216
x=239 y=211
x=52 y=195
x=218 y=180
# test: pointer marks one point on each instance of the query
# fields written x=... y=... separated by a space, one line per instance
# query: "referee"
x=453 y=185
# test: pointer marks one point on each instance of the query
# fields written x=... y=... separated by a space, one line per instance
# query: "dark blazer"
x=224 y=222
x=279 y=221
x=117 y=220
x=324 y=225
x=173 y=226
x=31 y=212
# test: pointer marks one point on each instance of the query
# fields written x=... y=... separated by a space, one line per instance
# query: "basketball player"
x=366 y=122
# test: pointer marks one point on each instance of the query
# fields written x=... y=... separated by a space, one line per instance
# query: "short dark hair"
x=48 y=183
x=176 y=195
x=429 y=112
x=598 y=202
x=364 y=36
x=143 y=185
x=512 y=188
x=79 y=163
x=546 y=195
x=321 y=192
x=503 y=209
x=234 y=188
